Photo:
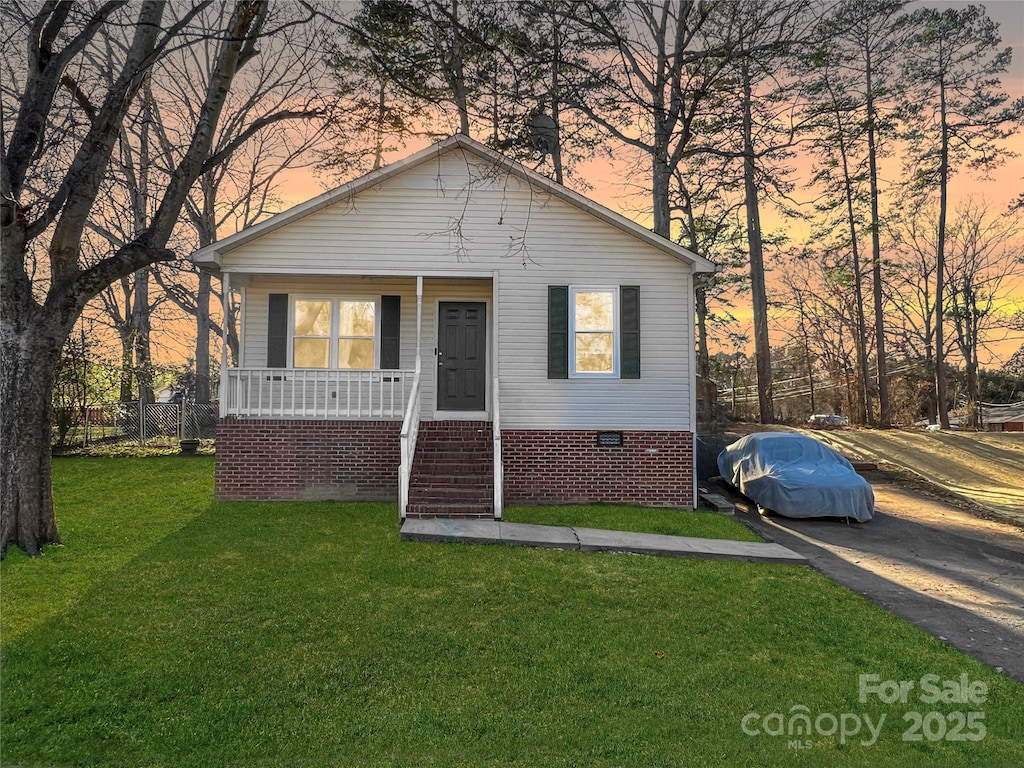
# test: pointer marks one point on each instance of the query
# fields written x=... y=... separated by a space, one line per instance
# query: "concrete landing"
x=591 y=540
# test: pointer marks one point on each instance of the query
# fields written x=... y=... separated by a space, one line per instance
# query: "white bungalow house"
x=457 y=332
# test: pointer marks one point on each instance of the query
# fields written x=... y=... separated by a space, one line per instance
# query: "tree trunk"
x=807 y=349
x=974 y=392
x=759 y=295
x=127 y=375
x=862 y=412
x=31 y=350
x=378 y=133
x=143 y=347
x=701 y=300
x=700 y=291
x=661 y=182
x=940 y=266
x=884 y=409
x=202 y=393
x=458 y=72
x=556 y=117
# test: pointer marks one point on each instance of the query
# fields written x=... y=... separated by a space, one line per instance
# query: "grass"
x=671 y=522
x=172 y=630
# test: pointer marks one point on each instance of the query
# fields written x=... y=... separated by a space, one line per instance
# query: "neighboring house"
x=458 y=332
x=1003 y=418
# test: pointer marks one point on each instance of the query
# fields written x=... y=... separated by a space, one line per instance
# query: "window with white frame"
x=593 y=335
x=334 y=333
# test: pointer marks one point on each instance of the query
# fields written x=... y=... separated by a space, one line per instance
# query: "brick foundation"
x=275 y=459
x=652 y=469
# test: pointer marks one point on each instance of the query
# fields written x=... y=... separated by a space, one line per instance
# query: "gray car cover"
x=796 y=476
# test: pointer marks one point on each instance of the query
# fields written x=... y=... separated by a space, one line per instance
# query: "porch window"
x=334 y=333
x=593 y=337
x=356 y=325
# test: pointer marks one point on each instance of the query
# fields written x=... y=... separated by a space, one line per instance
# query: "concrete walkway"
x=592 y=540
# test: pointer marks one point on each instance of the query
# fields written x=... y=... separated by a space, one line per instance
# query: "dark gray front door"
x=462 y=356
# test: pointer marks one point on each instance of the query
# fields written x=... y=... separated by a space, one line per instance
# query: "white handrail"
x=499 y=469
x=316 y=393
x=410 y=432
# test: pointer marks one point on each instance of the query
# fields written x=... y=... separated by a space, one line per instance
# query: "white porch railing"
x=410 y=431
x=314 y=393
x=499 y=469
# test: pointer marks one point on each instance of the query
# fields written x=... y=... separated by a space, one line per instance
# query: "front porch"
x=305 y=393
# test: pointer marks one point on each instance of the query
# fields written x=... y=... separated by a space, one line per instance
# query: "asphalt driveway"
x=955 y=575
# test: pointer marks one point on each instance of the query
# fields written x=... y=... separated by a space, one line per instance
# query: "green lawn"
x=175 y=631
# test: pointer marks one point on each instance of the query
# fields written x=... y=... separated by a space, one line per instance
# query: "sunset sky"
x=615 y=187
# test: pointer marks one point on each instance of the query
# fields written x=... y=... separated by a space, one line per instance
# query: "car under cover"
x=796 y=476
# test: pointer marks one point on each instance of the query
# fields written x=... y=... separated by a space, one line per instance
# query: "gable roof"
x=210 y=255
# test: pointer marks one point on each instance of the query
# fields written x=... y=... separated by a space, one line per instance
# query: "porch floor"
x=592 y=540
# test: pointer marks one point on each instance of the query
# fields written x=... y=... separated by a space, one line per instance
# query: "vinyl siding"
x=529 y=240
x=659 y=399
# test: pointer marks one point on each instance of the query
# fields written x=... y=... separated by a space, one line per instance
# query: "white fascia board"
x=363 y=272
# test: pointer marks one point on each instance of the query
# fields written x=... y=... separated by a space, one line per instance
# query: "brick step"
x=454 y=426
x=441 y=499
x=452 y=435
x=450 y=510
x=481 y=491
x=454 y=450
x=470 y=444
x=446 y=480
x=443 y=437
x=447 y=467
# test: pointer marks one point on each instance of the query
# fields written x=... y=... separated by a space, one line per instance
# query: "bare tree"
x=822 y=319
x=45 y=281
x=852 y=126
x=288 y=78
x=653 y=87
x=910 y=289
x=707 y=199
x=984 y=252
x=956 y=114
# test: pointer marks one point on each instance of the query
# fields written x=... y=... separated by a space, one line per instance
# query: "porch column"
x=495 y=320
x=225 y=304
x=419 y=320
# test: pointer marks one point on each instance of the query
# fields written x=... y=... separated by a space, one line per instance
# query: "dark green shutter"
x=629 y=325
x=558 y=332
x=390 y=332
x=277 y=331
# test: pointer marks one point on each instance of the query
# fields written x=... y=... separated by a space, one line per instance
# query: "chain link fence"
x=121 y=422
